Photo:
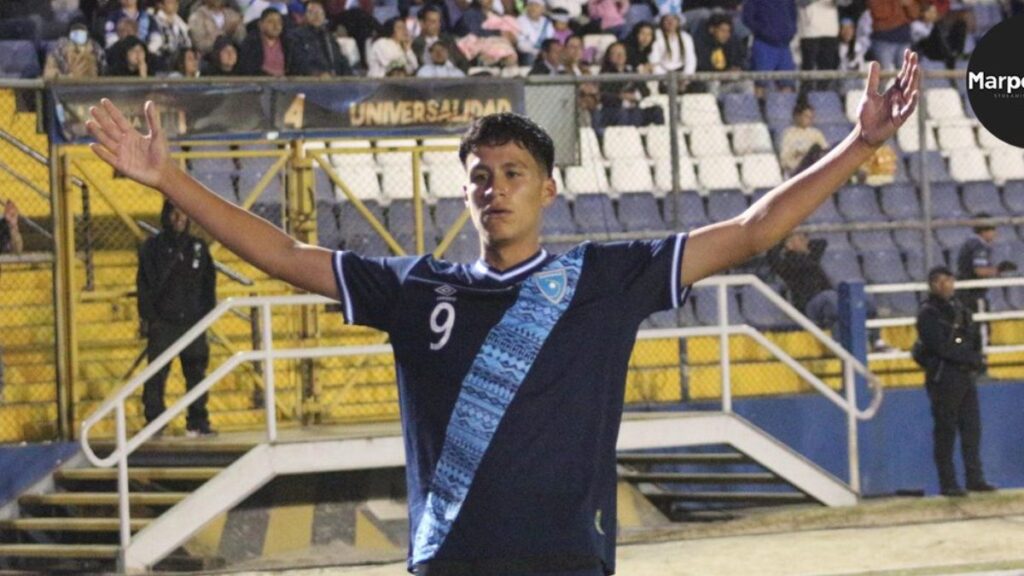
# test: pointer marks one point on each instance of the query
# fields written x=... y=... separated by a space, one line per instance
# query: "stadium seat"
x=595 y=214
x=835 y=133
x=590 y=148
x=432 y=158
x=690 y=212
x=1006 y=164
x=663 y=175
x=638 y=212
x=725 y=204
x=988 y=140
x=705 y=305
x=983 y=197
x=718 y=173
x=778 y=108
x=446 y=180
x=659 y=147
x=465 y=248
x=710 y=141
x=931 y=82
x=556 y=175
x=857 y=203
x=968 y=165
x=448 y=211
x=826 y=213
x=622 y=142
x=390 y=159
x=897 y=304
x=251 y=171
x=1013 y=196
x=761 y=312
x=217 y=174
x=840 y=264
x=851 y=102
x=351 y=223
x=327 y=233
x=352 y=159
x=935 y=167
x=834 y=239
x=884 y=266
x=740 y=108
x=944 y=105
x=900 y=202
x=956 y=136
x=869 y=240
x=908 y=136
x=699 y=110
x=323 y=187
x=402 y=225
x=946 y=202
x=908 y=238
x=558 y=219
x=396 y=182
x=631 y=176
x=916 y=265
x=997 y=300
x=751 y=138
x=953 y=238
x=19 y=59
x=760 y=171
x=366 y=245
x=586 y=179
x=827 y=107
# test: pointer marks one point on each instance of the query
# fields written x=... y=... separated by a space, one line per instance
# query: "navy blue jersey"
x=545 y=486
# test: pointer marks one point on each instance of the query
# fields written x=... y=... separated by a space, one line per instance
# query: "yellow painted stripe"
x=206 y=542
x=290 y=526
x=368 y=535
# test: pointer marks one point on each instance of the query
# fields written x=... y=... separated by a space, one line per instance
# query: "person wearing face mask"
x=75 y=56
x=177 y=286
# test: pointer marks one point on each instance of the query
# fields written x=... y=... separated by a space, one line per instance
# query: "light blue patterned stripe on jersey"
x=498 y=370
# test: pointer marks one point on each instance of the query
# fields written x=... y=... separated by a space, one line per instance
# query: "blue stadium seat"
x=366 y=245
x=778 y=108
x=1015 y=297
x=465 y=248
x=351 y=223
x=705 y=306
x=689 y=210
x=884 y=267
x=946 y=202
x=725 y=204
x=872 y=240
x=638 y=212
x=251 y=171
x=595 y=214
x=916 y=265
x=979 y=197
x=1013 y=196
x=826 y=214
x=762 y=313
x=448 y=211
x=739 y=108
x=858 y=203
x=841 y=265
x=828 y=109
x=327 y=231
x=997 y=300
x=19 y=59
x=663 y=319
x=402 y=223
x=935 y=167
x=834 y=239
x=953 y=238
x=834 y=133
x=897 y=304
x=219 y=175
x=558 y=219
x=908 y=238
x=900 y=202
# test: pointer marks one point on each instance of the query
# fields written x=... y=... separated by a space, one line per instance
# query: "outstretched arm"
x=146 y=160
x=719 y=246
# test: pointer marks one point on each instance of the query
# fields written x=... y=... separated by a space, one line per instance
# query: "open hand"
x=881 y=115
x=141 y=158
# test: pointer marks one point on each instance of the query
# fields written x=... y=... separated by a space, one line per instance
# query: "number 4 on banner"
x=293 y=116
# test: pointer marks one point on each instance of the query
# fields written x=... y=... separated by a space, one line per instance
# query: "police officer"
x=177 y=286
x=949 y=348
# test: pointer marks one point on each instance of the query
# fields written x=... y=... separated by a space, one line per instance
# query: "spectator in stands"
x=773 y=25
x=949 y=349
x=574 y=8
x=818 y=30
x=974 y=262
x=608 y=17
x=430 y=18
x=393 y=47
x=314 y=50
x=620 y=101
x=438 y=65
x=638 y=47
x=75 y=56
x=488 y=37
x=187 y=65
x=851 y=47
x=169 y=35
x=890 y=29
x=673 y=48
x=800 y=138
x=129 y=9
x=550 y=61
x=223 y=59
x=177 y=286
x=128 y=57
x=265 y=51
x=940 y=40
x=560 y=22
x=572 y=57
x=11 y=241
x=212 y=20
x=534 y=28
x=254 y=11
x=719 y=51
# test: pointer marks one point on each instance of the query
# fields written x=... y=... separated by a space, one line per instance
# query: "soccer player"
x=511 y=371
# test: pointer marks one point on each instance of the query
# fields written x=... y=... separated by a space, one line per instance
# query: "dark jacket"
x=715 y=57
x=250 y=56
x=771 y=21
x=541 y=68
x=314 y=51
x=801 y=272
x=176 y=280
x=951 y=340
x=419 y=48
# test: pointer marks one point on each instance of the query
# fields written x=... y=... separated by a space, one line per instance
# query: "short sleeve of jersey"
x=647 y=271
x=981 y=255
x=369 y=287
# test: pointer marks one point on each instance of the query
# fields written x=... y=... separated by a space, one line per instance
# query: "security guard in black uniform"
x=949 y=348
x=176 y=286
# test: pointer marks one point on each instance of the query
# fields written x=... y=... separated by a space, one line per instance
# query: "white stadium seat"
x=446 y=180
x=586 y=179
x=362 y=181
x=709 y=141
x=750 y=138
x=433 y=158
x=718 y=173
x=968 y=165
x=956 y=137
x=1006 y=164
x=361 y=159
x=944 y=105
x=590 y=148
x=663 y=175
x=397 y=183
x=699 y=110
x=389 y=159
x=631 y=176
x=908 y=138
x=622 y=142
x=760 y=171
x=659 y=145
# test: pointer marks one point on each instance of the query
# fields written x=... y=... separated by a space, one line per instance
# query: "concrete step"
x=92 y=551
x=702 y=458
x=102 y=499
x=700 y=478
x=752 y=498
x=70 y=524
x=141 y=474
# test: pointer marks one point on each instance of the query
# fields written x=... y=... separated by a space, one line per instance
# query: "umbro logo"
x=445 y=291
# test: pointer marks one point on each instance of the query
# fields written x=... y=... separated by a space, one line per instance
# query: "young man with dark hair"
x=952 y=358
x=431 y=20
x=974 y=262
x=511 y=370
x=549 y=61
x=265 y=50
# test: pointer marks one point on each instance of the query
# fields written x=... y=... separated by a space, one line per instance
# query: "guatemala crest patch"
x=551 y=284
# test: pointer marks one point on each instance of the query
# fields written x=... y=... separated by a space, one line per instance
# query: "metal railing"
x=125 y=446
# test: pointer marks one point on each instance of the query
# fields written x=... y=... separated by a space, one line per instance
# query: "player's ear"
x=549 y=191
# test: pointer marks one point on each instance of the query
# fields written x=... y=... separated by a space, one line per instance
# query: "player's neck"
x=502 y=258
